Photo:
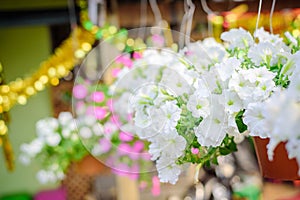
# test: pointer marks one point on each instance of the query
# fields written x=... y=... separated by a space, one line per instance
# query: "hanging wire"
x=156 y=11
x=271 y=15
x=189 y=21
x=209 y=12
x=72 y=14
x=143 y=21
x=183 y=25
x=258 y=14
x=102 y=14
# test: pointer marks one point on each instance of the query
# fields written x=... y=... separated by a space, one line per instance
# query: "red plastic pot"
x=281 y=167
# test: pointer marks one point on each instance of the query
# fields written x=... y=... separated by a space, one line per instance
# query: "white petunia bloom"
x=264 y=53
x=294 y=87
x=46 y=127
x=162 y=118
x=64 y=118
x=208 y=50
x=291 y=38
x=53 y=140
x=264 y=36
x=168 y=170
x=142 y=118
x=33 y=148
x=292 y=64
x=252 y=85
x=226 y=68
x=175 y=82
x=212 y=130
x=167 y=144
x=241 y=85
x=170 y=114
x=85 y=132
x=232 y=102
x=46 y=176
x=198 y=105
x=238 y=38
x=255 y=120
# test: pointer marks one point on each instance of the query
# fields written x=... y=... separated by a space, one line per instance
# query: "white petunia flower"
x=168 y=170
x=46 y=176
x=291 y=38
x=33 y=148
x=53 y=140
x=232 y=102
x=212 y=130
x=46 y=126
x=66 y=132
x=255 y=120
x=175 y=82
x=292 y=64
x=167 y=144
x=238 y=38
x=198 y=105
x=226 y=68
x=264 y=36
x=252 y=85
x=85 y=132
x=208 y=50
x=264 y=53
x=64 y=118
x=98 y=129
x=142 y=118
x=24 y=159
x=170 y=114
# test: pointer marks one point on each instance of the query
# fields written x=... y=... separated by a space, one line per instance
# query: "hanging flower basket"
x=281 y=168
x=90 y=166
x=80 y=177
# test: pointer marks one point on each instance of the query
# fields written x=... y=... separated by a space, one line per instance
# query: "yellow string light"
x=55 y=67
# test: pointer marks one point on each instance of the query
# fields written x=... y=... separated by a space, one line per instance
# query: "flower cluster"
x=195 y=105
x=277 y=118
x=117 y=145
x=57 y=145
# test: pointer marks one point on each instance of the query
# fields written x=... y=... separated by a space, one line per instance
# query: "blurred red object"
x=57 y=194
x=281 y=168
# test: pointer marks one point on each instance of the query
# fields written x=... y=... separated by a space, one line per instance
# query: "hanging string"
x=189 y=21
x=258 y=14
x=209 y=12
x=183 y=26
x=143 y=21
x=73 y=22
x=72 y=14
x=271 y=15
x=156 y=11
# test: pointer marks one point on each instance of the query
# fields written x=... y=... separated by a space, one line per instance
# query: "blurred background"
x=30 y=30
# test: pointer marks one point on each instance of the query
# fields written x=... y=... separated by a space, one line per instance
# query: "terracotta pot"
x=80 y=177
x=281 y=168
x=90 y=166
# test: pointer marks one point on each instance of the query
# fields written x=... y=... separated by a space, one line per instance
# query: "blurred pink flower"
x=194 y=150
x=155 y=186
x=115 y=72
x=125 y=137
x=125 y=60
x=80 y=91
x=124 y=149
x=100 y=112
x=105 y=144
x=138 y=146
x=97 y=96
x=137 y=55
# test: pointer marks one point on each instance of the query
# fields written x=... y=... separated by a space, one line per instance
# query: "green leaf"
x=224 y=151
x=239 y=122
